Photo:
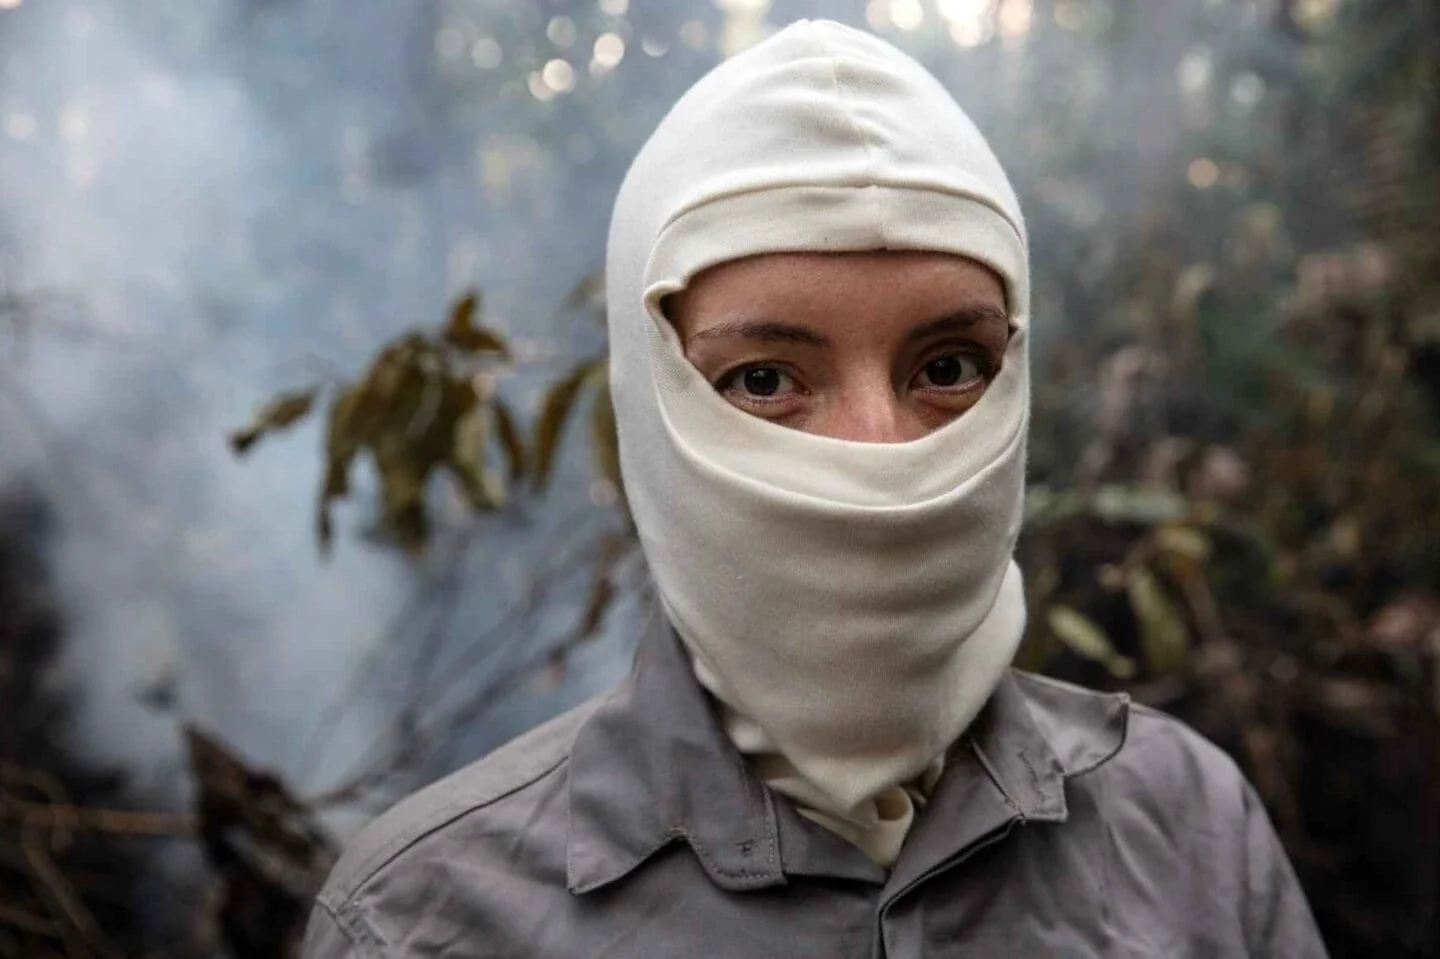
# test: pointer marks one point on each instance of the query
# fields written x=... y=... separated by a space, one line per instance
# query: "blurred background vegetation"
x=307 y=483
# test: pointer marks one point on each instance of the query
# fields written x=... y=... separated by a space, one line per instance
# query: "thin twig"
x=29 y=922
x=83 y=935
x=321 y=734
x=113 y=821
x=399 y=748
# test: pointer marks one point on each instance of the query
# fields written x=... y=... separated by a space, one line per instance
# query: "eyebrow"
x=766 y=331
x=957 y=320
x=769 y=331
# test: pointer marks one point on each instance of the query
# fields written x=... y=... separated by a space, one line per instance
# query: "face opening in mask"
x=878 y=346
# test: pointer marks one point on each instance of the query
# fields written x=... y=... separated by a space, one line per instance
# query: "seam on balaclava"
x=872 y=164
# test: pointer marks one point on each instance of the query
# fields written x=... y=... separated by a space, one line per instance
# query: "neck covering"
x=851 y=605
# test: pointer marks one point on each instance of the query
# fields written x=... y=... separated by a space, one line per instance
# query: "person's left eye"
x=950 y=371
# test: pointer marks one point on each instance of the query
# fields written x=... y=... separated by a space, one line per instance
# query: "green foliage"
x=1084 y=636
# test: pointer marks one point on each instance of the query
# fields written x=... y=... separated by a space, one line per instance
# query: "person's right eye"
x=757 y=382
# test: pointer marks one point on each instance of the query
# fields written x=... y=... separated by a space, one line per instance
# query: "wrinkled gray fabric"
x=1067 y=823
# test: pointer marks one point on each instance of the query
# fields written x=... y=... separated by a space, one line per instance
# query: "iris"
x=946 y=371
x=762 y=380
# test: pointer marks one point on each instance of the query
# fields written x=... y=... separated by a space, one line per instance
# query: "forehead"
x=808 y=285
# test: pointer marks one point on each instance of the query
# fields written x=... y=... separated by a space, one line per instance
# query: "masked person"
x=819 y=313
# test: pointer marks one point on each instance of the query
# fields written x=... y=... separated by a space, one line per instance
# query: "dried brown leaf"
x=345 y=432
x=511 y=441
x=402 y=494
x=604 y=441
x=463 y=332
x=554 y=415
x=483 y=489
x=284 y=410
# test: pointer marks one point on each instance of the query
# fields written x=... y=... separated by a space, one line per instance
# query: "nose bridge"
x=869 y=410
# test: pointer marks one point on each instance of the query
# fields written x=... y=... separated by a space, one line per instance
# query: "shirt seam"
x=354 y=927
x=1126 y=704
x=443 y=817
x=996 y=779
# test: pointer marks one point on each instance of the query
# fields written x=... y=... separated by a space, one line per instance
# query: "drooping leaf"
x=554 y=415
x=283 y=411
x=602 y=593
x=402 y=491
x=508 y=432
x=463 y=332
x=603 y=439
x=482 y=488
x=344 y=435
x=1163 y=632
x=1083 y=636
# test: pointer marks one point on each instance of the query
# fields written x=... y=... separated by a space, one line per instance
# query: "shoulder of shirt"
x=1089 y=730
x=520 y=764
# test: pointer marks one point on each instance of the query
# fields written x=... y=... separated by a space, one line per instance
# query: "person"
x=819 y=311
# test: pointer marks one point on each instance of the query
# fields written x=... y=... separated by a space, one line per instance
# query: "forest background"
x=307 y=483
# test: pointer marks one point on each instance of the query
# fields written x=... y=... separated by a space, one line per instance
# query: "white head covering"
x=852 y=605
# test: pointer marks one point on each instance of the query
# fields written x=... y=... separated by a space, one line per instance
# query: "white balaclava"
x=851 y=605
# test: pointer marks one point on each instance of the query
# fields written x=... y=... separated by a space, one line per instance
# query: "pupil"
x=762 y=381
x=944 y=371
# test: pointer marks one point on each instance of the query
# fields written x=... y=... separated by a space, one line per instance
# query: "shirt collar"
x=652 y=766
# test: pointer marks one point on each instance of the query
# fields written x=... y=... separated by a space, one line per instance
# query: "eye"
x=760 y=381
x=950 y=370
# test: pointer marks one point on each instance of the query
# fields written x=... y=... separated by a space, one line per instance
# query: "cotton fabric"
x=852 y=605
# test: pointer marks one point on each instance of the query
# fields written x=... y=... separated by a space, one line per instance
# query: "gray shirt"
x=1066 y=823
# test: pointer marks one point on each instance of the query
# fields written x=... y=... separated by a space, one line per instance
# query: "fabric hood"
x=851 y=604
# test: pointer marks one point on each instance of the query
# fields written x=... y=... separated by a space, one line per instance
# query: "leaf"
x=1162 y=627
x=462 y=332
x=602 y=593
x=553 y=417
x=1183 y=551
x=510 y=439
x=402 y=493
x=1183 y=541
x=1138 y=504
x=604 y=441
x=283 y=411
x=1083 y=636
x=344 y=434
x=602 y=588
x=1045 y=505
x=482 y=488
